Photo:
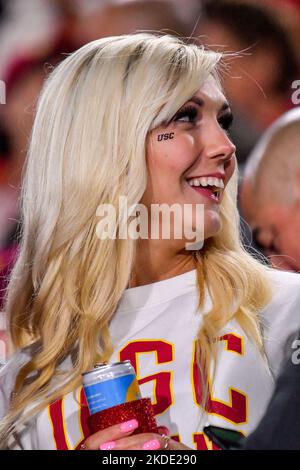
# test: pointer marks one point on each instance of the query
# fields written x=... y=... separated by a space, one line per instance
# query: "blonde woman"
x=142 y=117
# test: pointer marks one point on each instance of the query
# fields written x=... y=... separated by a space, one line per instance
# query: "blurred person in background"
x=24 y=81
x=28 y=29
x=270 y=192
x=288 y=12
x=31 y=28
x=127 y=16
x=258 y=82
x=23 y=84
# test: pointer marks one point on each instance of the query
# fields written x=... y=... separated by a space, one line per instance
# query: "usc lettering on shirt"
x=155 y=327
x=68 y=416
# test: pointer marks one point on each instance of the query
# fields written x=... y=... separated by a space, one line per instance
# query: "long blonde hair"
x=88 y=148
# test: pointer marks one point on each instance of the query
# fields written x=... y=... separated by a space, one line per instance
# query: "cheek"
x=167 y=161
x=231 y=167
x=171 y=157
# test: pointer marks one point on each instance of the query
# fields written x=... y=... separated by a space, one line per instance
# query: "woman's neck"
x=155 y=262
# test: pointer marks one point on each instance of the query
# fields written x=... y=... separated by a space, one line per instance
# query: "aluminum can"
x=109 y=385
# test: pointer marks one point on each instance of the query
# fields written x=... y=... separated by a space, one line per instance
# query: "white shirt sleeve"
x=280 y=319
x=8 y=376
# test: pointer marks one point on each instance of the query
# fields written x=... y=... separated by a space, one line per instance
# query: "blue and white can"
x=108 y=385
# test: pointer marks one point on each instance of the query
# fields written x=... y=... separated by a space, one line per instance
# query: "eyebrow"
x=200 y=103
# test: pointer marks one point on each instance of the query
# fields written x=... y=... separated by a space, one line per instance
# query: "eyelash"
x=191 y=112
x=226 y=121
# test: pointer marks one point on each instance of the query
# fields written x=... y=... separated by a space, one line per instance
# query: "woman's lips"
x=207 y=193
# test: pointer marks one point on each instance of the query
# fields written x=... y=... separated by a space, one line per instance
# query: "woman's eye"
x=187 y=114
x=226 y=121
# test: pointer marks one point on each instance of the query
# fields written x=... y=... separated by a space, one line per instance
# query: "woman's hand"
x=118 y=437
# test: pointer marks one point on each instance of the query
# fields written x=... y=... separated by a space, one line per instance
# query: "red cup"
x=141 y=410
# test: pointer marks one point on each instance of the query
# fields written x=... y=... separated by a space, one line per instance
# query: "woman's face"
x=196 y=159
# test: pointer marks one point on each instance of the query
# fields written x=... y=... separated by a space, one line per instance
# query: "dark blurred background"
x=36 y=34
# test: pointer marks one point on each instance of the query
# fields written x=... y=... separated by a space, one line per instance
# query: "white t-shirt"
x=155 y=326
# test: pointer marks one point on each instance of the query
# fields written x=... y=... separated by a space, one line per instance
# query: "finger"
x=163 y=431
x=145 y=441
x=110 y=434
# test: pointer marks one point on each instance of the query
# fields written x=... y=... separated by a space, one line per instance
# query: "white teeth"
x=207 y=181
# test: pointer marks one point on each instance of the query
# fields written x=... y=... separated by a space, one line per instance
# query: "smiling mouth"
x=210 y=187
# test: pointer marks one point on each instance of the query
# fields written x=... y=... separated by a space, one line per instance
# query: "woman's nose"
x=219 y=146
x=222 y=149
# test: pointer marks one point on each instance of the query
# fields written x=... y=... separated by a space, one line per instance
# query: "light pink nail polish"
x=129 y=425
x=108 y=445
x=152 y=445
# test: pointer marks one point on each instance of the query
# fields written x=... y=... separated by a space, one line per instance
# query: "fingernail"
x=164 y=430
x=129 y=425
x=152 y=445
x=108 y=445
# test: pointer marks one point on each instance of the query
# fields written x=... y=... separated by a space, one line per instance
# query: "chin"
x=212 y=225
